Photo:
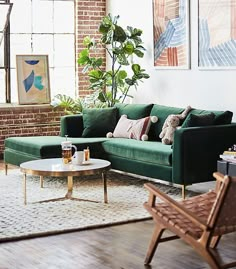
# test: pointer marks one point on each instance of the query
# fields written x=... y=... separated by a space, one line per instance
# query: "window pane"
x=21 y=16
x=4 y=11
x=64 y=81
x=20 y=44
x=42 y=16
x=14 y=92
x=64 y=50
x=2 y=83
x=64 y=17
x=43 y=44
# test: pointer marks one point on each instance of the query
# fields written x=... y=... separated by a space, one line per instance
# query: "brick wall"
x=89 y=15
x=28 y=121
x=16 y=120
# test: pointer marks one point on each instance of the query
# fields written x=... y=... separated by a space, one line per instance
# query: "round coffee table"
x=55 y=168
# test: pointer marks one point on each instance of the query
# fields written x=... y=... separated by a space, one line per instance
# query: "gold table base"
x=69 y=191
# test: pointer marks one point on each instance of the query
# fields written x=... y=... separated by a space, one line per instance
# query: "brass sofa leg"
x=6 y=166
x=183 y=192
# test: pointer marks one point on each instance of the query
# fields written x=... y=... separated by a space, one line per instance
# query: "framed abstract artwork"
x=171 y=34
x=216 y=34
x=33 y=79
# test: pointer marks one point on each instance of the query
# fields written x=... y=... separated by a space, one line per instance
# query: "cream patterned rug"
x=126 y=196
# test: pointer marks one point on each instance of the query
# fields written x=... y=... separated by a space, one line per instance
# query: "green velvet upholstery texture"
x=99 y=121
x=199 y=120
x=71 y=125
x=134 y=111
x=148 y=151
x=162 y=112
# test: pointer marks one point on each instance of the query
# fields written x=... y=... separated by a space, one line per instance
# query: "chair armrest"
x=177 y=206
x=219 y=180
x=72 y=125
x=196 y=151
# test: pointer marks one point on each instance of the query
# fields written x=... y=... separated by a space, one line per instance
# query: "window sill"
x=15 y=106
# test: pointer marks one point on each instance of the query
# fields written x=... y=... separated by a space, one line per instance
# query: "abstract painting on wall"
x=217 y=34
x=33 y=79
x=171 y=34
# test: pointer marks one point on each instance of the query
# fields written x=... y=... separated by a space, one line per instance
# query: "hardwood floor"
x=116 y=247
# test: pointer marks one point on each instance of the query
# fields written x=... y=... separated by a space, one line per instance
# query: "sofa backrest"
x=162 y=112
x=133 y=111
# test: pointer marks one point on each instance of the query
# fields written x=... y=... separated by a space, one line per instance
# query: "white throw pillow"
x=134 y=129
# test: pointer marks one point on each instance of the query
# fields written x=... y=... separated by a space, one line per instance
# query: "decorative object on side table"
x=227 y=165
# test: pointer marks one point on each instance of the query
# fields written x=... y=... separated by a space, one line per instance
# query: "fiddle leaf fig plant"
x=121 y=45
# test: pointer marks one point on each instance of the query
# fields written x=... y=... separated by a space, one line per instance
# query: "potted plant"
x=121 y=46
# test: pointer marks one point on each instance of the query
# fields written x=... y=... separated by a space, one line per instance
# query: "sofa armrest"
x=196 y=151
x=71 y=125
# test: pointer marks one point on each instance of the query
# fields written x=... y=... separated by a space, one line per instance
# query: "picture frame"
x=216 y=34
x=33 y=79
x=171 y=34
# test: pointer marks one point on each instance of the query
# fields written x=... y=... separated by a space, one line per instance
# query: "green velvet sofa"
x=192 y=158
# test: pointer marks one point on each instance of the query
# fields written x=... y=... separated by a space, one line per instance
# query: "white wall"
x=215 y=89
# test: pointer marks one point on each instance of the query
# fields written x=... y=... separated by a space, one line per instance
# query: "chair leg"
x=209 y=257
x=214 y=241
x=154 y=243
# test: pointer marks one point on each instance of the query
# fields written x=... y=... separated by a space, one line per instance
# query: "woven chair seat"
x=199 y=205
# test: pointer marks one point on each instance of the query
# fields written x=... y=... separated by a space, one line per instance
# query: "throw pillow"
x=193 y=120
x=98 y=121
x=223 y=118
x=134 y=129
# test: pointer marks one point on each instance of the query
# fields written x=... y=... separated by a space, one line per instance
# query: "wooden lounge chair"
x=200 y=221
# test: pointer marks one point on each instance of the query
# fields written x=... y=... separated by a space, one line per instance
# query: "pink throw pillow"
x=134 y=129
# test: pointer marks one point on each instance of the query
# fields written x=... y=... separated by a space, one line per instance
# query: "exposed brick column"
x=88 y=16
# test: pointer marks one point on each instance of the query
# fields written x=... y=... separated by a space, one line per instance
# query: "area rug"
x=126 y=196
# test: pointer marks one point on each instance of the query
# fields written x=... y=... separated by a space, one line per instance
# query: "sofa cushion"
x=134 y=111
x=145 y=151
x=199 y=120
x=162 y=112
x=99 y=121
x=221 y=117
x=49 y=146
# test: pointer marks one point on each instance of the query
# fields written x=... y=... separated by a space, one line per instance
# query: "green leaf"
x=95 y=73
x=83 y=57
x=136 y=68
x=122 y=74
x=122 y=59
x=138 y=53
x=129 y=81
x=129 y=48
x=119 y=34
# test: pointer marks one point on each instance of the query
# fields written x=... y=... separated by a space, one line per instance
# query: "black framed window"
x=40 y=27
